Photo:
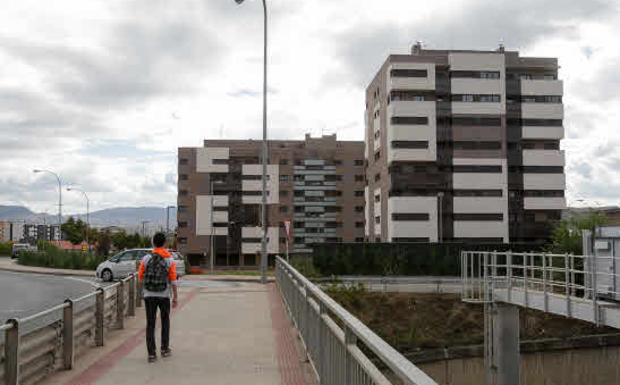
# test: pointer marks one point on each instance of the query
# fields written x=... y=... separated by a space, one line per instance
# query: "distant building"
x=32 y=233
x=611 y=213
x=11 y=231
x=316 y=184
x=464 y=146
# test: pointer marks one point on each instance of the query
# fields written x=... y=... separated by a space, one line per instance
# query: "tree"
x=104 y=243
x=566 y=236
x=74 y=231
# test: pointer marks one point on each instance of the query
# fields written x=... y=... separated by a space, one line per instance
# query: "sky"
x=103 y=92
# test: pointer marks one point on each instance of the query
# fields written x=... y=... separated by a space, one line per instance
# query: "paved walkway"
x=222 y=334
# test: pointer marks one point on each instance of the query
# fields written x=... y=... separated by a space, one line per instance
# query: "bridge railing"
x=34 y=347
x=336 y=342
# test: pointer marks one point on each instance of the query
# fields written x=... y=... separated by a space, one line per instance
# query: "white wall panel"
x=205 y=157
x=413 y=229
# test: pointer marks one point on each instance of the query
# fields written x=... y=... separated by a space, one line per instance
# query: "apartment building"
x=464 y=146
x=316 y=184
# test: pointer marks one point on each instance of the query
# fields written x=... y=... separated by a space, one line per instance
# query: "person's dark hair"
x=159 y=239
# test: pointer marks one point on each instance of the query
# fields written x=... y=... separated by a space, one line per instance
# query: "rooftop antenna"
x=501 y=47
x=417 y=47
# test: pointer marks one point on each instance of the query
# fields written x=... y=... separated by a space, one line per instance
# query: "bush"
x=51 y=256
x=6 y=248
x=387 y=259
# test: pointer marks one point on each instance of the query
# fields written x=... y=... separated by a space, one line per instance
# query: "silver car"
x=126 y=262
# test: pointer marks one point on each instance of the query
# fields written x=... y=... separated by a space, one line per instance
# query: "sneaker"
x=166 y=352
x=152 y=359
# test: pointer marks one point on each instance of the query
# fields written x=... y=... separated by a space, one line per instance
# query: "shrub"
x=51 y=256
x=6 y=248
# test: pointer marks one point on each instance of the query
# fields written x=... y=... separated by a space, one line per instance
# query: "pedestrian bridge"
x=288 y=332
x=575 y=286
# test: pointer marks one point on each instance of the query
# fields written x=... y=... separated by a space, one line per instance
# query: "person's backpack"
x=156 y=274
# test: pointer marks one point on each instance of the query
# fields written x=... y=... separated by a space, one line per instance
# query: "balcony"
x=541 y=87
x=542 y=132
x=544 y=182
x=542 y=111
x=544 y=203
x=543 y=158
x=411 y=108
x=477 y=108
x=476 y=86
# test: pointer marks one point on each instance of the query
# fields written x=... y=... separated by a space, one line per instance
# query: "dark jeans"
x=151 y=304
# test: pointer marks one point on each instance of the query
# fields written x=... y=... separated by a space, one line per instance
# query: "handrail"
x=395 y=361
x=18 y=369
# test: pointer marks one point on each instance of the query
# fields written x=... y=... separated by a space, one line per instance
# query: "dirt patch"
x=411 y=322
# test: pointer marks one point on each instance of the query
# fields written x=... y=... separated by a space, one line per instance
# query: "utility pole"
x=144 y=229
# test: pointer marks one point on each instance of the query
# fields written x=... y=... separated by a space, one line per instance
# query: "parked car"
x=20 y=247
x=126 y=262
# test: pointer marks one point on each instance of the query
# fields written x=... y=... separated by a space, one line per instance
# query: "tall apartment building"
x=464 y=146
x=317 y=184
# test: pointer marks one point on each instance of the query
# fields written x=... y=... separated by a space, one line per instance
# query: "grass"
x=6 y=248
x=53 y=257
x=410 y=322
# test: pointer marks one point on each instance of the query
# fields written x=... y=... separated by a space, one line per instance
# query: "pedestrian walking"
x=158 y=274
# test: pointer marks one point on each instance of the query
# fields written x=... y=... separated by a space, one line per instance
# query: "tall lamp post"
x=263 y=260
x=36 y=171
x=87 y=211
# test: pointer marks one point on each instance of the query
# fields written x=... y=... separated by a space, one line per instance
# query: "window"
x=359 y=162
x=477 y=146
x=544 y=193
x=283 y=162
x=359 y=178
x=475 y=74
x=415 y=96
x=183 y=177
x=254 y=193
x=183 y=161
x=333 y=178
x=408 y=73
x=182 y=209
x=410 y=216
x=333 y=209
x=283 y=193
x=476 y=121
x=409 y=239
x=299 y=193
x=377 y=220
x=225 y=161
x=377 y=177
x=478 y=217
x=484 y=98
x=414 y=120
x=541 y=169
x=359 y=193
x=284 y=209
x=333 y=193
x=284 y=178
x=299 y=209
x=220 y=224
x=220 y=208
x=359 y=224
x=253 y=177
x=476 y=169
x=183 y=192
x=182 y=224
x=251 y=240
x=536 y=122
x=377 y=155
x=359 y=209
x=359 y=239
x=377 y=198
x=182 y=240
x=478 y=193
x=410 y=144
x=337 y=162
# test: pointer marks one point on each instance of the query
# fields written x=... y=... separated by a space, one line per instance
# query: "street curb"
x=64 y=273
x=227 y=279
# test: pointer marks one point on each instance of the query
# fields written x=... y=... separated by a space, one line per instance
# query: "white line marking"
x=92 y=283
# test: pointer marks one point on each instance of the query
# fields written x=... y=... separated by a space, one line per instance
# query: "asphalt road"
x=25 y=294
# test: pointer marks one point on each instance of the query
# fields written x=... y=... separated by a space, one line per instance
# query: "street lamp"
x=87 y=211
x=263 y=261
x=36 y=171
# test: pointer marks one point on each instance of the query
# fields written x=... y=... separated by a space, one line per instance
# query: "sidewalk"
x=8 y=264
x=221 y=335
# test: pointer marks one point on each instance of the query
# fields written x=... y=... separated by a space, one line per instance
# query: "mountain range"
x=129 y=218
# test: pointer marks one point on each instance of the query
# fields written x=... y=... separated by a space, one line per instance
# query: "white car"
x=126 y=262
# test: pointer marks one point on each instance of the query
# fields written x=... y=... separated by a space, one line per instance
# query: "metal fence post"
x=138 y=293
x=67 y=335
x=120 y=307
x=131 y=299
x=350 y=339
x=11 y=353
x=544 y=277
x=99 y=316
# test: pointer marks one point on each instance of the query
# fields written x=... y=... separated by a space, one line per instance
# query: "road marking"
x=92 y=283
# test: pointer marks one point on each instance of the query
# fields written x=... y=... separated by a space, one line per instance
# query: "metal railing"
x=33 y=347
x=576 y=280
x=336 y=342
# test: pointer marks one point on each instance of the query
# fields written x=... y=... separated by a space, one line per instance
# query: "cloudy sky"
x=104 y=91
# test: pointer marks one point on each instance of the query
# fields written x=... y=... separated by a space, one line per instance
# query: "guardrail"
x=336 y=342
x=38 y=345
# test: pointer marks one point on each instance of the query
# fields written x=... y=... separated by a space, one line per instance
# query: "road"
x=25 y=294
